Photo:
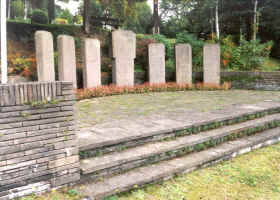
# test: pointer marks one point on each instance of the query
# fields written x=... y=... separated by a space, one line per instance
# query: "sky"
x=150 y=2
x=74 y=5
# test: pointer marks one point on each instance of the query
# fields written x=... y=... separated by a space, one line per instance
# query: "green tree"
x=17 y=9
x=120 y=9
x=141 y=19
x=66 y=14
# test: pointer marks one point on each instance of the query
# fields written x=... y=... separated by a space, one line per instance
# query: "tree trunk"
x=255 y=23
x=217 y=20
x=240 y=30
x=8 y=9
x=51 y=10
x=156 y=18
x=25 y=3
x=35 y=4
x=86 y=17
x=212 y=24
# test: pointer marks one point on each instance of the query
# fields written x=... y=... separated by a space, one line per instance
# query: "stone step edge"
x=191 y=162
x=127 y=142
x=195 y=145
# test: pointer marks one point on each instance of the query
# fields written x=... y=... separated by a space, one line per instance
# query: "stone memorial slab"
x=44 y=56
x=211 y=64
x=67 y=59
x=124 y=53
x=92 y=63
x=183 y=63
x=156 y=63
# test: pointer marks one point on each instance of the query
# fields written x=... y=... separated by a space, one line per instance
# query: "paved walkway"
x=118 y=109
x=124 y=130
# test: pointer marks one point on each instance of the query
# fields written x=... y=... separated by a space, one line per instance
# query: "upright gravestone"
x=124 y=53
x=156 y=63
x=211 y=64
x=44 y=56
x=92 y=63
x=183 y=63
x=67 y=59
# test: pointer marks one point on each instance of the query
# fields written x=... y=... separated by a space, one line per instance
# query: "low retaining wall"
x=38 y=148
x=253 y=80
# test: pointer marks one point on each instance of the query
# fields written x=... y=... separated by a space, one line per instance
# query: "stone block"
x=183 y=63
x=124 y=44
x=67 y=59
x=44 y=56
x=123 y=72
x=211 y=64
x=92 y=63
x=124 y=53
x=156 y=63
x=64 y=161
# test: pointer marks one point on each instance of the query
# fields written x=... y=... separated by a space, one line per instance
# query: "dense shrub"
x=60 y=21
x=24 y=32
x=247 y=56
x=78 y=19
x=254 y=54
x=168 y=43
x=110 y=90
x=39 y=17
x=197 y=48
x=21 y=61
x=142 y=60
x=66 y=14
x=143 y=42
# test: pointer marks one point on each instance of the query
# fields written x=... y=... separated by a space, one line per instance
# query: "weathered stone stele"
x=156 y=63
x=211 y=64
x=124 y=53
x=92 y=63
x=44 y=56
x=183 y=63
x=67 y=59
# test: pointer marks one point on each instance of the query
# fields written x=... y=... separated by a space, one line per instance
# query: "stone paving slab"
x=126 y=130
x=93 y=165
x=112 y=109
x=167 y=169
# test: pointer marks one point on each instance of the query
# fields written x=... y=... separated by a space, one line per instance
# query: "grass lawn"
x=253 y=176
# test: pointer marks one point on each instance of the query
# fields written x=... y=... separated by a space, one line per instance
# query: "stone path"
x=137 y=107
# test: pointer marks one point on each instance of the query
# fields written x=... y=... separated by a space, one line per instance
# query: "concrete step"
x=166 y=169
x=111 y=137
x=119 y=162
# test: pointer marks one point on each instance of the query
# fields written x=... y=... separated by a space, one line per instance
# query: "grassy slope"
x=254 y=176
